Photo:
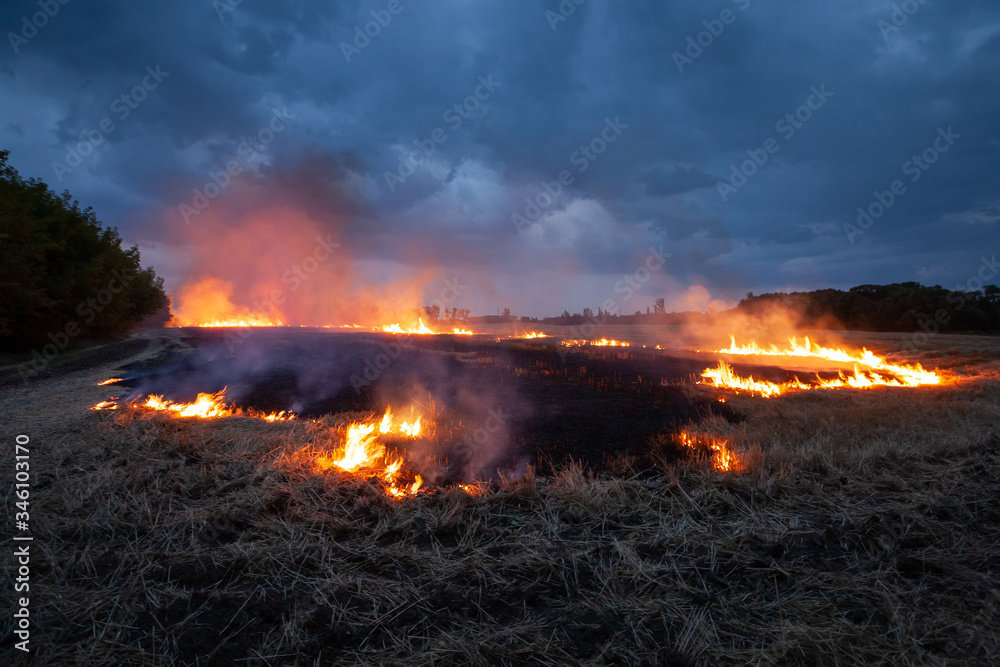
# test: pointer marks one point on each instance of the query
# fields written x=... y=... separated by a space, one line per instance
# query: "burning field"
x=276 y=495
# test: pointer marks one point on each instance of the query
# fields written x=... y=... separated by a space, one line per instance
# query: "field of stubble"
x=862 y=528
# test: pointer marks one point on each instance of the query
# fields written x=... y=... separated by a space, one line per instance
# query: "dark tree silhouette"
x=906 y=306
x=62 y=275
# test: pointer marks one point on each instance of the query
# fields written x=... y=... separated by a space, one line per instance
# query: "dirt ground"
x=861 y=527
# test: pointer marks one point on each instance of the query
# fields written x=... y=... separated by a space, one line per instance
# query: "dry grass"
x=863 y=530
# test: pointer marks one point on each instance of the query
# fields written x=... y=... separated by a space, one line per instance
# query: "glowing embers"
x=724 y=459
x=205 y=406
x=870 y=370
x=604 y=342
x=363 y=453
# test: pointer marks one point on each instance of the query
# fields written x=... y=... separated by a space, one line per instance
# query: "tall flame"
x=362 y=451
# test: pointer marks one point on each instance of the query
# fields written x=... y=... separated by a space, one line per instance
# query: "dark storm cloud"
x=662 y=183
x=690 y=115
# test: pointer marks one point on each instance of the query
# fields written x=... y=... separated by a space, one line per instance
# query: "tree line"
x=63 y=276
x=907 y=306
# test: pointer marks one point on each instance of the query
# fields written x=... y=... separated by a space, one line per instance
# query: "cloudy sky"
x=735 y=138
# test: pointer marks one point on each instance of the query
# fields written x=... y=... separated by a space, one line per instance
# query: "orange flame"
x=723 y=458
x=205 y=406
x=241 y=322
x=108 y=381
x=904 y=375
x=723 y=376
x=604 y=342
x=796 y=350
x=208 y=302
x=280 y=416
x=362 y=451
x=877 y=372
x=420 y=329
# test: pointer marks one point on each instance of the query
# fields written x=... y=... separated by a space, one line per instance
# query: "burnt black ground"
x=523 y=401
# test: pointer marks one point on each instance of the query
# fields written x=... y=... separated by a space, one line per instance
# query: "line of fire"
x=376 y=447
